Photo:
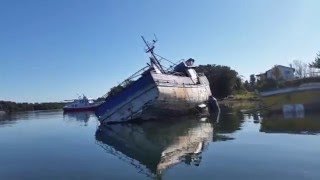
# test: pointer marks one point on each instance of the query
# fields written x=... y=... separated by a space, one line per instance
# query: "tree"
x=247 y=86
x=312 y=72
x=252 y=80
x=316 y=63
x=117 y=89
x=239 y=85
x=222 y=79
x=10 y=107
x=268 y=84
x=301 y=68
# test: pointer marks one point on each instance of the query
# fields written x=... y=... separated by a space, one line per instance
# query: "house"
x=278 y=72
x=262 y=76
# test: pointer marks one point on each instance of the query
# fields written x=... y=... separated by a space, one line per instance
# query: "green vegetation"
x=316 y=62
x=247 y=104
x=9 y=106
x=223 y=80
x=252 y=81
x=271 y=84
x=116 y=89
x=226 y=83
x=268 y=84
x=245 y=96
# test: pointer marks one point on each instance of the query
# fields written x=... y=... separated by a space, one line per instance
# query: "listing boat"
x=305 y=97
x=157 y=92
x=80 y=104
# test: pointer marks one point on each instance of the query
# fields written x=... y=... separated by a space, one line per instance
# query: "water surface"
x=229 y=145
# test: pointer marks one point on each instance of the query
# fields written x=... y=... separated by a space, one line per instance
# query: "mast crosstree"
x=149 y=49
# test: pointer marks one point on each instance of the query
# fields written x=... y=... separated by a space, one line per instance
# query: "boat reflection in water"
x=83 y=116
x=297 y=123
x=155 y=146
x=5 y=120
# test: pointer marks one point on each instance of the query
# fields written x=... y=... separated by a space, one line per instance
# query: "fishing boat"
x=305 y=97
x=81 y=104
x=157 y=92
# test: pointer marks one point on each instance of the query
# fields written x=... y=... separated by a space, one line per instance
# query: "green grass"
x=242 y=101
x=246 y=96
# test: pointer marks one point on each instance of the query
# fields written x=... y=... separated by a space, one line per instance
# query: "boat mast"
x=150 y=48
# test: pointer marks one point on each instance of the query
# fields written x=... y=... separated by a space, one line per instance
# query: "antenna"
x=155 y=38
x=150 y=48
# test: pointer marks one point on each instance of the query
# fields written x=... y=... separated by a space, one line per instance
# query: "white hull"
x=157 y=93
x=169 y=95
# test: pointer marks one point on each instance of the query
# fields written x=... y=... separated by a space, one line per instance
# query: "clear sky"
x=54 y=50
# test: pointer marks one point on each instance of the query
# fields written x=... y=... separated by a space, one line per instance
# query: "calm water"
x=231 y=145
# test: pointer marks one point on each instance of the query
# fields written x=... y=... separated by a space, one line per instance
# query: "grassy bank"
x=248 y=101
x=244 y=96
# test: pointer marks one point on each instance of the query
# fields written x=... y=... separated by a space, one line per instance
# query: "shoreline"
x=226 y=101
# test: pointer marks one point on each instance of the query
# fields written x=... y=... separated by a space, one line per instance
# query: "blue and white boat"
x=81 y=104
x=157 y=92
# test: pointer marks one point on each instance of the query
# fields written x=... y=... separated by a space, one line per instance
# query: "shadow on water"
x=152 y=147
x=230 y=120
x=5 y=120
x=291 y=123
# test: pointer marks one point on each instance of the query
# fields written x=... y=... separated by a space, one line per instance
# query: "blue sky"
x=54 y=50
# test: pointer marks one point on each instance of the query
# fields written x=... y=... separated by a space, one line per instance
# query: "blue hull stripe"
x=114 y=101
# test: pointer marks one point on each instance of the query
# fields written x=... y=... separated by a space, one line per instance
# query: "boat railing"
x=130 y=79
x=140 y=72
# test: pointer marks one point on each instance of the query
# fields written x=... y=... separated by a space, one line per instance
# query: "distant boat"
x=2 y=112
x=157 y=92
x=306 y=97
x=81 y=104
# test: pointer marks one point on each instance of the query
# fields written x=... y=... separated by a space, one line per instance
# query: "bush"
x=267 y=85
x=223 y=80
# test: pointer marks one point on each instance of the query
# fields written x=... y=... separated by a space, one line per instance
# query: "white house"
x=278 y=72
